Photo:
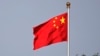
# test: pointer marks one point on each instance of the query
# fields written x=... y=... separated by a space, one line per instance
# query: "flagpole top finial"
x=68 y=4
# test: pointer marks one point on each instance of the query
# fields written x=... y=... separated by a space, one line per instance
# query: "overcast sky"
x=17 y=17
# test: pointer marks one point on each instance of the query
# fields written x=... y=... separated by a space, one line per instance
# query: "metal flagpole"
x=68 y=8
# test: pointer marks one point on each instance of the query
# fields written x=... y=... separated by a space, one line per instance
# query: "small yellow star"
x=55 y=17
x=62 y=20
x=54 y=21
x=54 y=25
x=57 y=27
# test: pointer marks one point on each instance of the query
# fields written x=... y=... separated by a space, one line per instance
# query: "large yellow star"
x=62 y=20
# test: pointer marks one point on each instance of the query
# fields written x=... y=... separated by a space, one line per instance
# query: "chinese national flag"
x=52 y=31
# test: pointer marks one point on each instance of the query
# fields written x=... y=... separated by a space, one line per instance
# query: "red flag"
x=53 y=31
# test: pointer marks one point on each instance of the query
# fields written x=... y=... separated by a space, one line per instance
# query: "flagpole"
x=68 y=8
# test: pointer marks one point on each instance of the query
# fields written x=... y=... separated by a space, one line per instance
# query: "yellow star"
x=55 y=17
x=57 y=27
x=62 y=20
x=54 y=25
x=54 y=21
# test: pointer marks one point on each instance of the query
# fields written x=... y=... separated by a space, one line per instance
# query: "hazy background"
x=17 y=17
